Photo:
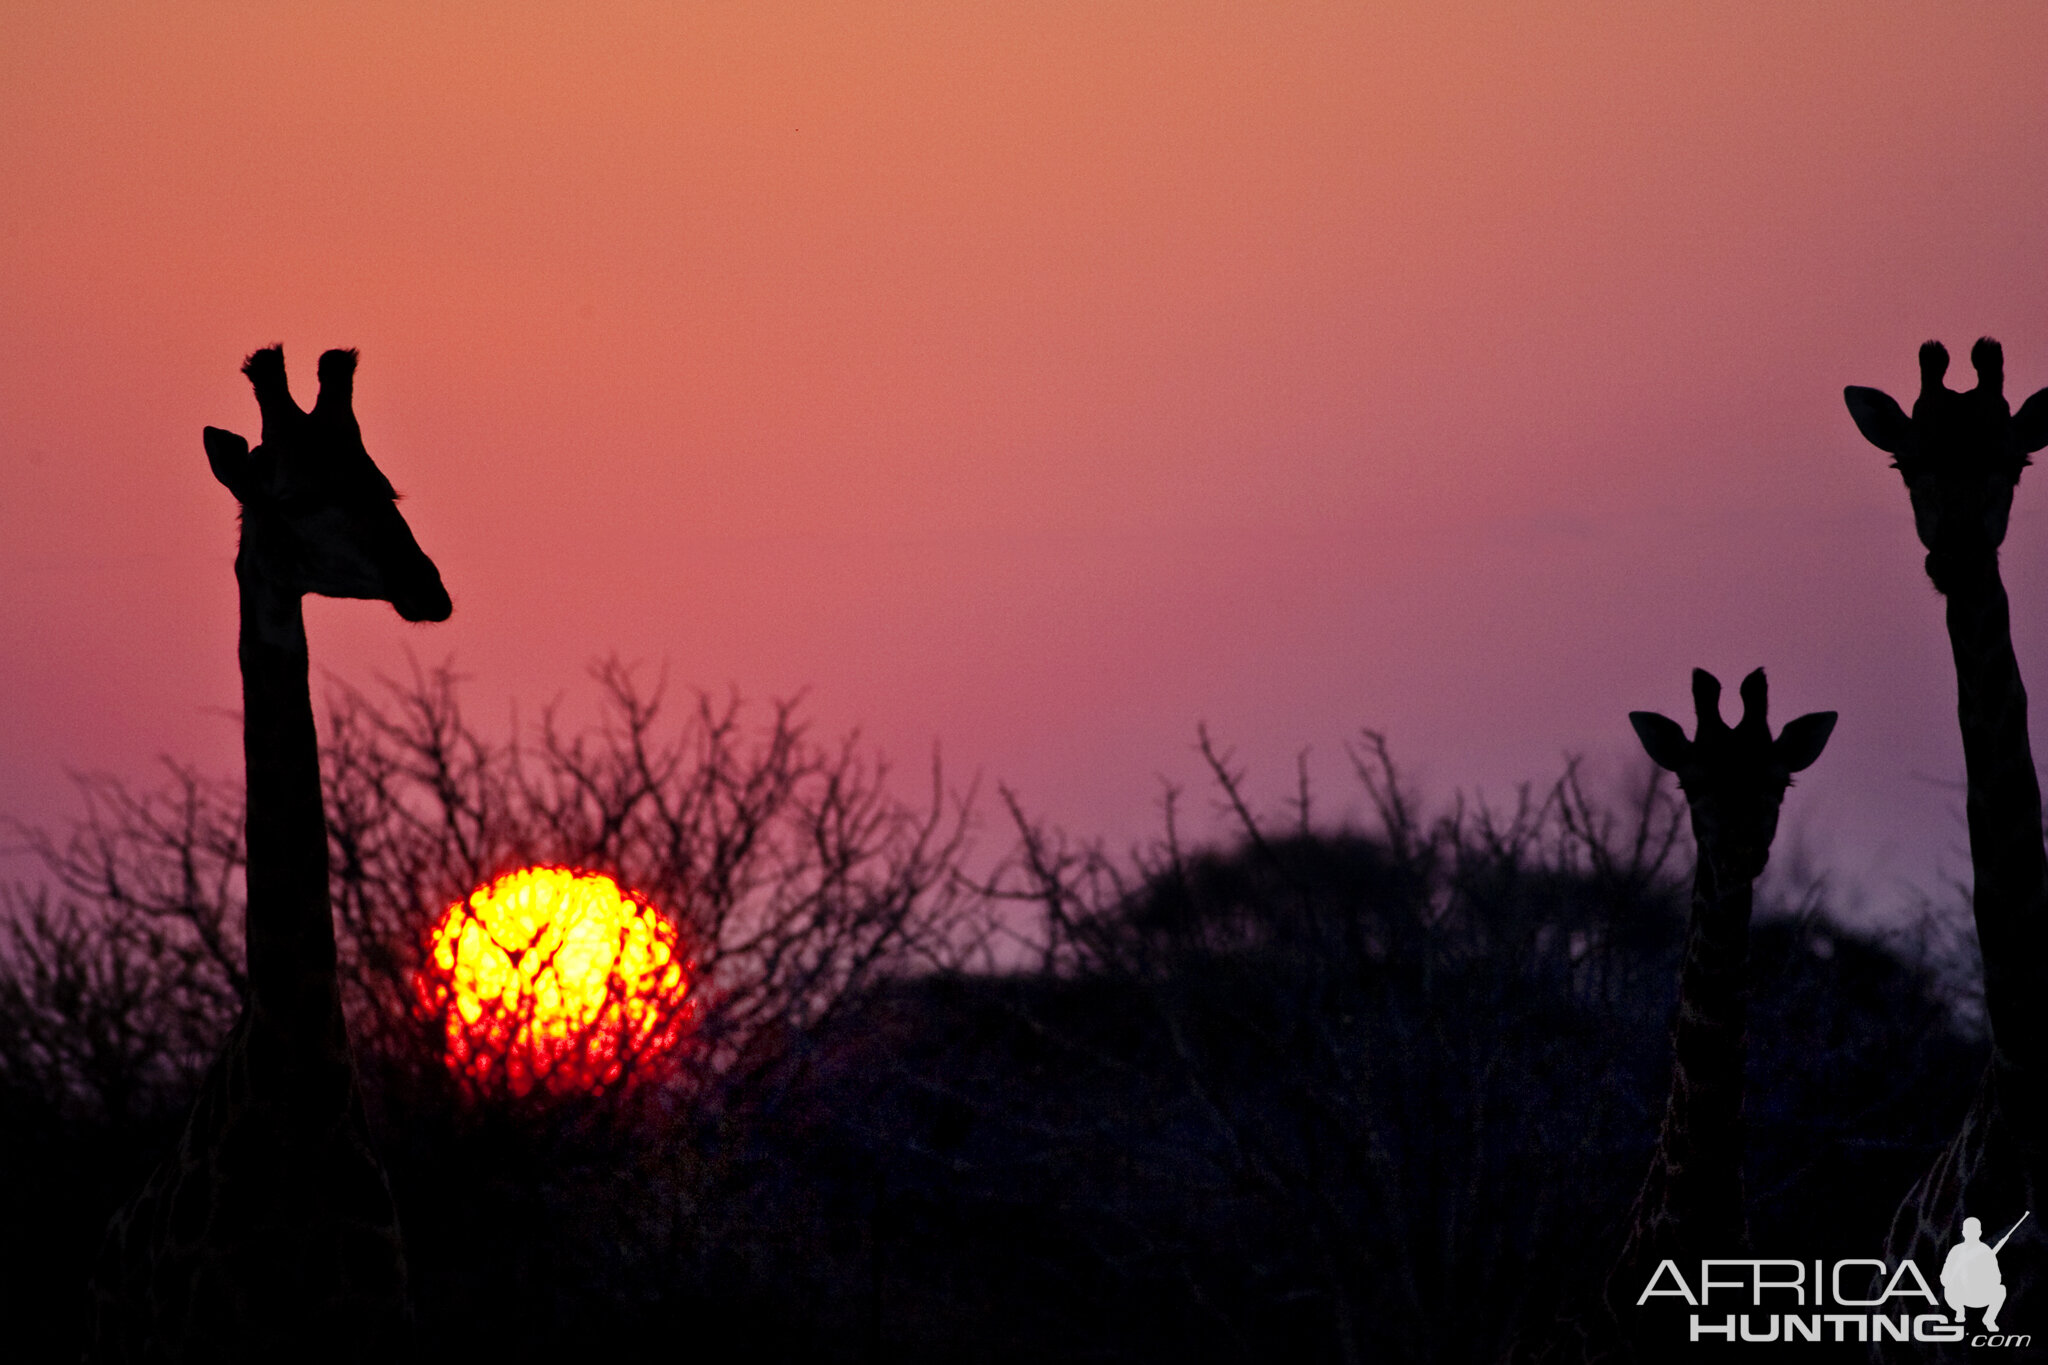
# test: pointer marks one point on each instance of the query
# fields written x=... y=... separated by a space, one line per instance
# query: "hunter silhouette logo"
x=1858 y=1299
x=1969 y=1277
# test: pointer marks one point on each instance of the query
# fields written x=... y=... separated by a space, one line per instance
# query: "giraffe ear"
x=229 y=456
x=1879 y=417
x=2030 y=423
x=1801 y=741
x=1663 y=739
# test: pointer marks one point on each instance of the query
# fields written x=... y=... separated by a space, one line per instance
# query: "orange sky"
x=1035 y=380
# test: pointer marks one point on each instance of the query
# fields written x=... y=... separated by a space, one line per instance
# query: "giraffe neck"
x=290 y=928
x=1998 y=1159
x=2004 y=813
x=1691 y=1203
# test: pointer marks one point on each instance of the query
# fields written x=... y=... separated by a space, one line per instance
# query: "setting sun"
x=554 y=978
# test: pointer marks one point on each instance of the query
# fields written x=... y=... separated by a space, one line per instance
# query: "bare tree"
x=793 y=875
x=120 y=975
x=1312 y=1092
x=1404 y=1056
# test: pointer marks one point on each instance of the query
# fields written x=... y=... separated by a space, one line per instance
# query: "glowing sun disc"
x=556 y=978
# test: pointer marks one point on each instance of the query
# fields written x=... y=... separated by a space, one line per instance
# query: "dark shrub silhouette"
x=1314 y=1094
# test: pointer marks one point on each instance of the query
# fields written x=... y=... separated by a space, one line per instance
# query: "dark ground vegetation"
x=1315 y=1094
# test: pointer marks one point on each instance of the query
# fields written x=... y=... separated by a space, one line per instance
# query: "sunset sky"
x=1036 y=381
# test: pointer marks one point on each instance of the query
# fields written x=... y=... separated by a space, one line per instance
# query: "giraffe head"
x=317 y=514
x=1960 y=453
x=1734 y=779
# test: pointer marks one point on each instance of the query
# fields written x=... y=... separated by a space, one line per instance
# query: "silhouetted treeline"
x=1313 y=1092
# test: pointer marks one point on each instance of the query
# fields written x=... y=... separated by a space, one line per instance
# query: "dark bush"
x=1315 y=1094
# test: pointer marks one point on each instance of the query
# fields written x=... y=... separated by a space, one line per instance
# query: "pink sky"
x=1037 y=381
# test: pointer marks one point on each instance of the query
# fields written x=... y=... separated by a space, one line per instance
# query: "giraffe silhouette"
x=269 y=1233
x=1961 y=454
x=1734 y=779
x=1691 y=1202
